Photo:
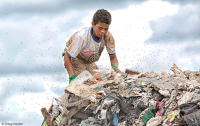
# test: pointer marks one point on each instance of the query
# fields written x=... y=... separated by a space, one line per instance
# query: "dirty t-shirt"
x=83 y=45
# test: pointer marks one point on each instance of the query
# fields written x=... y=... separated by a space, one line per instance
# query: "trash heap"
x=131 y=99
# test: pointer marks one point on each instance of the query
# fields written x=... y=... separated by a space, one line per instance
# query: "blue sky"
x=149 y=34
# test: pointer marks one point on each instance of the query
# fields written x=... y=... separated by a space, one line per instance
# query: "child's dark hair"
x=103 y=16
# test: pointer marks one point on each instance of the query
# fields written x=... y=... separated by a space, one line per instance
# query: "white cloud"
x=23 y=102
x=11 y=113
x=33 y=102
x=181 y=27
x=36 y=41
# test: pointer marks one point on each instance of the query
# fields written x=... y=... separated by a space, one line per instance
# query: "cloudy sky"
x=149 y=34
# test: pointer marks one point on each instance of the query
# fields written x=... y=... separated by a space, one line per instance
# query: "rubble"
x=130 y=99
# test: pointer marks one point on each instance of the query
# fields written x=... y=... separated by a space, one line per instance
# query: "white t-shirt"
x=83 y=45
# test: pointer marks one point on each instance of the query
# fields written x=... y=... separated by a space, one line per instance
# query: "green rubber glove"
x=71 y=78
x=115 y=69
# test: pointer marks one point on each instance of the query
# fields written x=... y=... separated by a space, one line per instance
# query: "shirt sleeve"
x=110 y=43
x=73 y=46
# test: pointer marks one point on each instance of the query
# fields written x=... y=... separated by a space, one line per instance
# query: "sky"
x=150 y=35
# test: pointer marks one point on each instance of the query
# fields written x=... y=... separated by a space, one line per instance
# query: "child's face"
x=100 y=29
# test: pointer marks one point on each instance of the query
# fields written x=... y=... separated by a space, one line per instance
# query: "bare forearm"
x=113 y=60
x=68 y=65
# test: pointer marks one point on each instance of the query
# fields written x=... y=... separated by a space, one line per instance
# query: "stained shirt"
x=83 y=45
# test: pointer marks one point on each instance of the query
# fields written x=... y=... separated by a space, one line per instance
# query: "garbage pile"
x=131 y=99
